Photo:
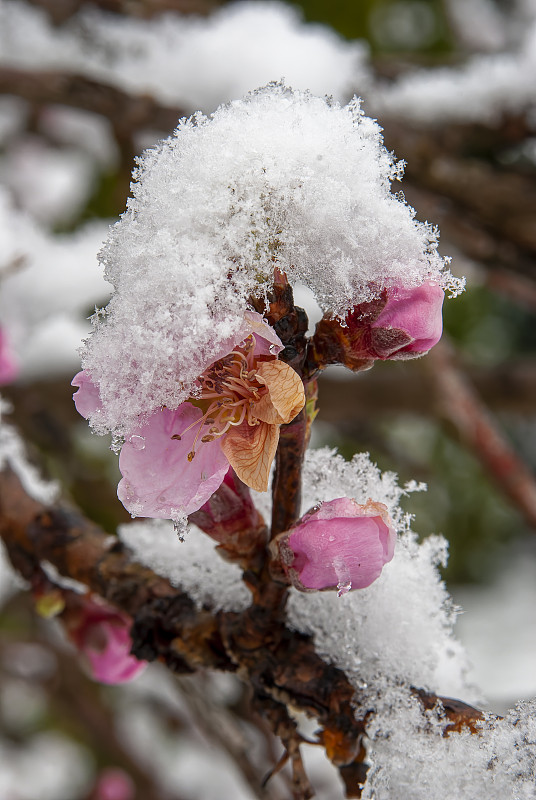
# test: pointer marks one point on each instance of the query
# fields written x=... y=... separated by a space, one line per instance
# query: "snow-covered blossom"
x=174 y=461
x=102 y=637
x=340 y=545
x=8 y=365
x=278 y=179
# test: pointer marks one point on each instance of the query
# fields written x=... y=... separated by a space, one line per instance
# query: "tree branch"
x=278 y=663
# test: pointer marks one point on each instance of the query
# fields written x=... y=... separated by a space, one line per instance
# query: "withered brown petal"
x=250 y=450
x=285 y=397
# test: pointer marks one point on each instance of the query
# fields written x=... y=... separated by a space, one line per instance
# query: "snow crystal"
x=280 y=177
x=412 y=760
x=193 y=62
x=193 y=564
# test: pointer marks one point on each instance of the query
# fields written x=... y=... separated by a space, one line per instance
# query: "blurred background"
x=85 y=86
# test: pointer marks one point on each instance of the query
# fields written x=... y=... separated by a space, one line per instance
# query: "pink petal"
x=87 y=398
x=158 y=480
x=416 y=313
x=267 y=341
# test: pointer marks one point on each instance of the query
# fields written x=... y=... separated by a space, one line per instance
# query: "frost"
x=192 y=564
x=193 y=62
x=278 y=178
x=499 y=763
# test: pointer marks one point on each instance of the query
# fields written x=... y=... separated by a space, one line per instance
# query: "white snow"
x=192 y=62
x=278 y=178
x=192 y=565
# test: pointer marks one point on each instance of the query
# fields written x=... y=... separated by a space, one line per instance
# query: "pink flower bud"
x=114 y=784
x=8 y=365
x=102 y=636
x=405 y=325
x=228 y=511
x=340 y=545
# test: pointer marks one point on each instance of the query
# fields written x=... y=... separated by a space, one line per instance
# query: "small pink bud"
x=229 y=511
x=8 y=365
x=114 y=784
x=102 y=636
x=341 y=545
x=405 y=324
x=87 y=398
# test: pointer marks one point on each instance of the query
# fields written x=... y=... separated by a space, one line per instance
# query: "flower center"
x=228 y=392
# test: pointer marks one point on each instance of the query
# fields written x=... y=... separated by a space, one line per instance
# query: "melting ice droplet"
x=137 y=442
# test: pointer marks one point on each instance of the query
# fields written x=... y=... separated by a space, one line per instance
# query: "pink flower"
x=114 y=784
x=175 y=461
x=102 y=636
x=340 y=545
x=8 y=365
x=404 y=323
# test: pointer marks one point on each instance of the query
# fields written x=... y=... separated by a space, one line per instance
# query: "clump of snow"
x=278 y=178
x=482 y=90
x=50 y=766
x=478 y=24
x=193 y=62
x=410 y=757
x=53 y=185
x=399 y=629
x=192 y=564
x=48 y=287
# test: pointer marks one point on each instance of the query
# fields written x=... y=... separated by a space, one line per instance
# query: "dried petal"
x=251 y=450
x=286 y=396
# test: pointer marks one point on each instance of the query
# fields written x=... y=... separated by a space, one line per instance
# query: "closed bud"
x=340 y=545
